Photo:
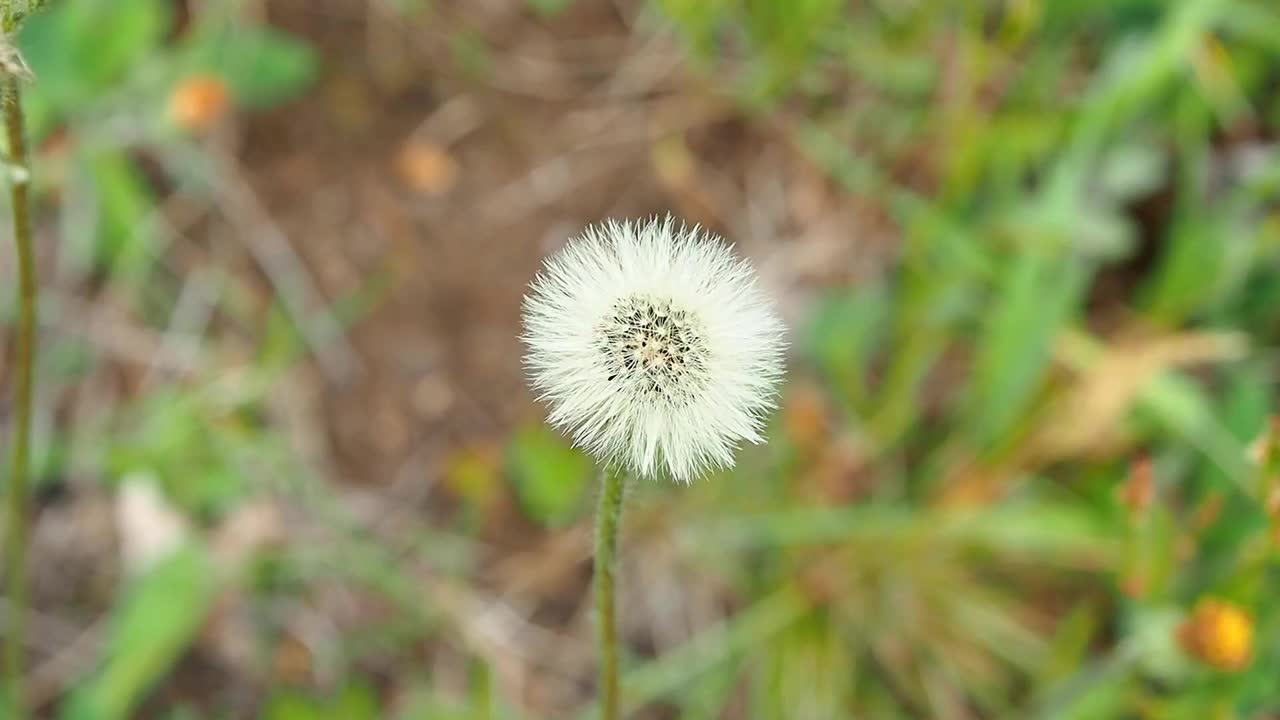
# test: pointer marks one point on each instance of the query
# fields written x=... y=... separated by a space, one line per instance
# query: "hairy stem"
x=15 y=543
x=607 y=521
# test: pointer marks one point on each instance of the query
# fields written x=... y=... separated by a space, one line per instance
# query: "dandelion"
x=658 y=352
x=1219 y=634
x=654 y=347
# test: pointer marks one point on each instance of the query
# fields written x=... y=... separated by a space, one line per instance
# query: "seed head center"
x=655 y=347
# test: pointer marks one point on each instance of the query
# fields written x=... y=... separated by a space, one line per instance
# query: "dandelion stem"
x=607 y=521
x=15 y=543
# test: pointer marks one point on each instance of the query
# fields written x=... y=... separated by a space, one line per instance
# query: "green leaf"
x=550 y=477
x=1181 y=407
x=153 y=623
x=125 y=201
x=1035 y=299
x=697 y=20
x=61 y=85
x=356 y=702
x=292 y=707
x=190 y=448
x=1068 y=645
x=1096 y=690
x=110 y=36
x=550 y=8
x=736 y=636
x=846 y=331
x=1047 y=533
x=262 y=66
x=78 y=50
x=1188 y=270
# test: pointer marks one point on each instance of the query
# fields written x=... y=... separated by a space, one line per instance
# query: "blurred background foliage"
x=1025 y=464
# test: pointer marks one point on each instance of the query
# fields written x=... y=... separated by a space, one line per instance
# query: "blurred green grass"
x=1085 y=194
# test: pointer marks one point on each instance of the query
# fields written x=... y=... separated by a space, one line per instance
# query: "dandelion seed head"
x=653 y=346
x=654 y=349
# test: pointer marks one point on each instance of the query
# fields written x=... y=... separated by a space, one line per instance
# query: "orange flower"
x=198 y=101
x=426 y=167
x=1218 y=634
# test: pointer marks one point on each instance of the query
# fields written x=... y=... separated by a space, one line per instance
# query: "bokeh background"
x=287 y=466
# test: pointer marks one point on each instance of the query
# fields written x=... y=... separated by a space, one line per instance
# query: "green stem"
x=15 y=543
x=607 y=521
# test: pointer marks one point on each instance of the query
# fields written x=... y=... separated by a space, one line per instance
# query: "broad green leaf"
x=550 y=477
x=109 y=36
x=79 y=49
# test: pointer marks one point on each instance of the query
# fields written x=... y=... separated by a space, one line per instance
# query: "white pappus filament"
x=653 y=346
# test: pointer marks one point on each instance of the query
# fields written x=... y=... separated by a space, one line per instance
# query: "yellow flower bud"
x=1218 y=634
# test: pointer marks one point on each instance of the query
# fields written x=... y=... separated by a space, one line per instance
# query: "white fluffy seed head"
x=653 y=346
